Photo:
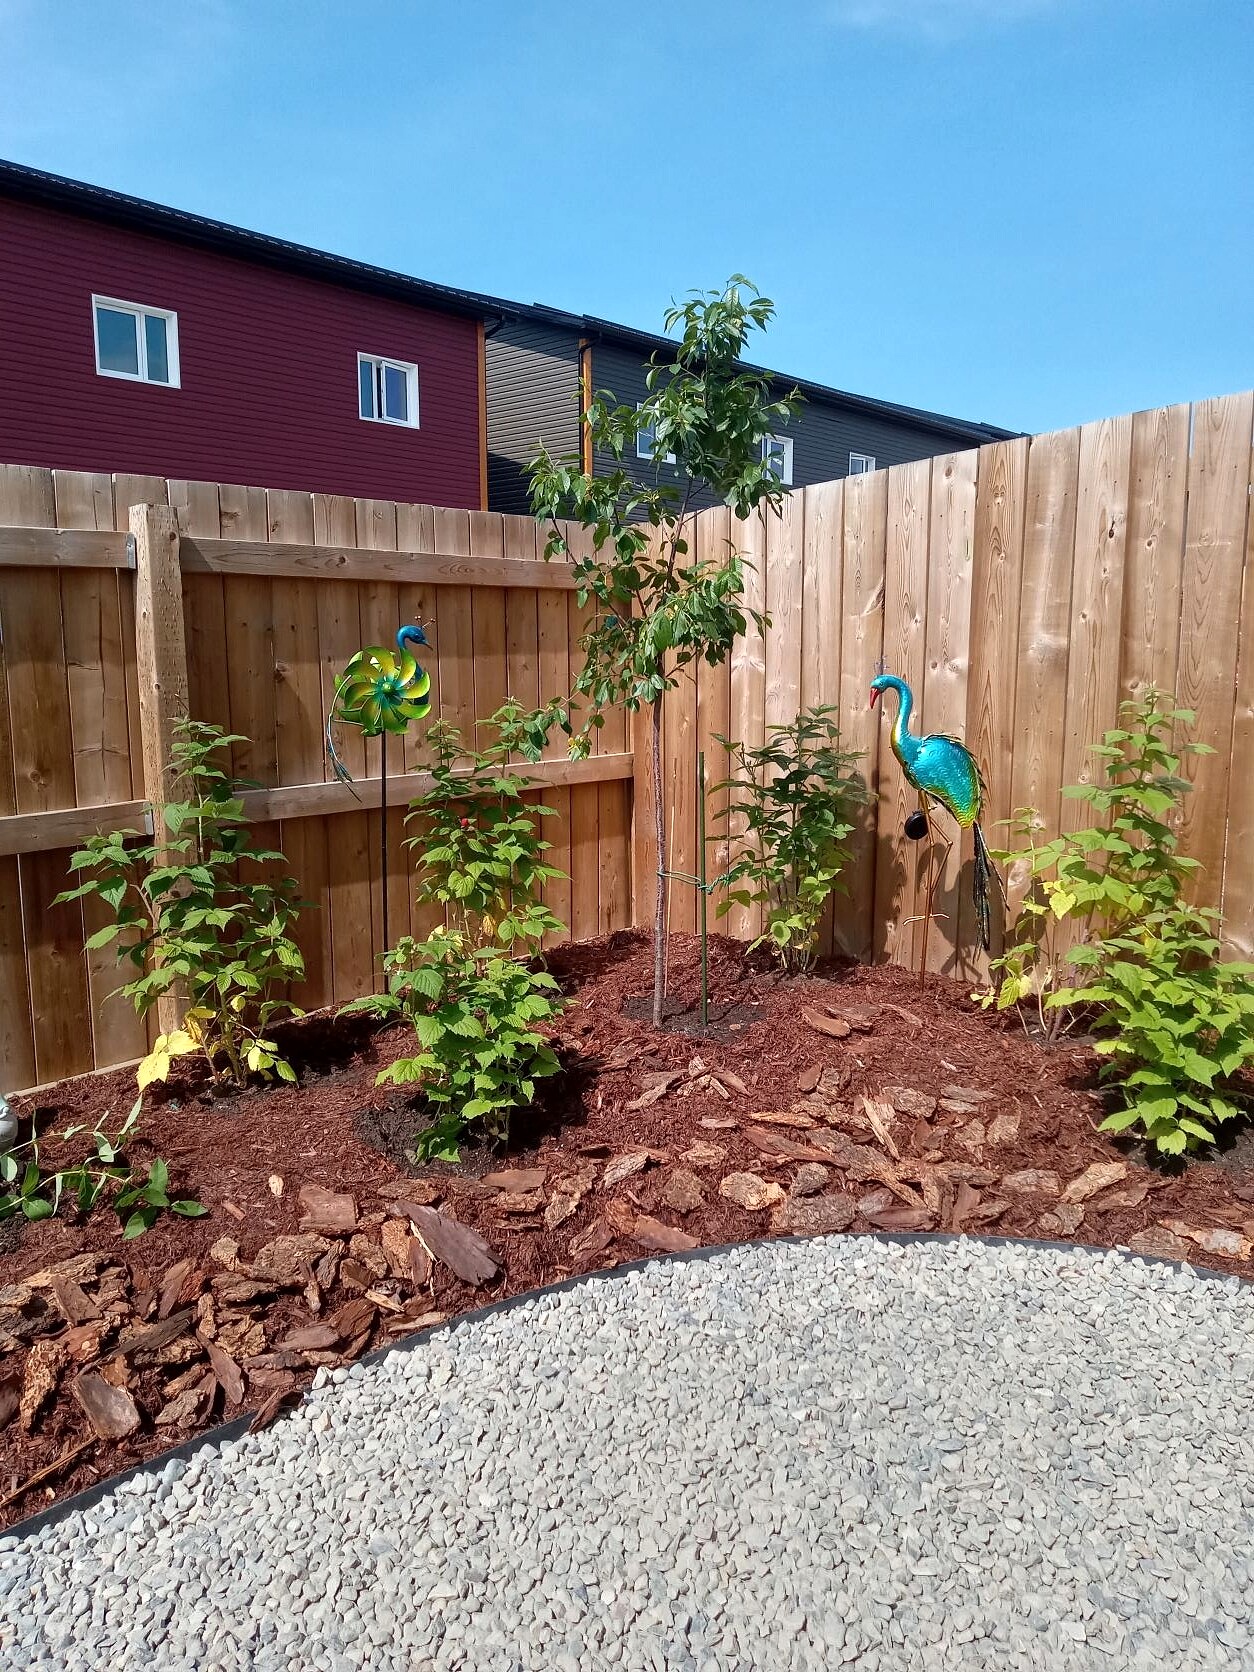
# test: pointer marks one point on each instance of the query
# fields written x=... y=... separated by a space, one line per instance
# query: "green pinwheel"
x=380 y=692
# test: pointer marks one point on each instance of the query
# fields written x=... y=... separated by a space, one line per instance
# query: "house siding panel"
x=533 y=397
x=268 y=369
x=823 y=433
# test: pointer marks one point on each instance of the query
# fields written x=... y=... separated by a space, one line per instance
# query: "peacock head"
x=412 y=634
x=885 y=682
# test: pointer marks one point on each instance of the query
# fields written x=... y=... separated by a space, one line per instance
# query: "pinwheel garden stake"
x=381 y=691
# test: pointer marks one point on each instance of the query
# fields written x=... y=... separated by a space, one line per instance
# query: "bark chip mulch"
x=847 y=1100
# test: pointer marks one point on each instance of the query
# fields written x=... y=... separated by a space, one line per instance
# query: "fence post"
x=161 y=666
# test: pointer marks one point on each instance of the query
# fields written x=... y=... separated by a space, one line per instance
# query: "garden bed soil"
x=847 y=1100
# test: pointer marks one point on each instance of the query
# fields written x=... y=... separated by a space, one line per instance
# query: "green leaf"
x=1121 y=1120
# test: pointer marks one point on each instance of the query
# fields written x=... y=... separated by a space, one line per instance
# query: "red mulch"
x=247 y=1157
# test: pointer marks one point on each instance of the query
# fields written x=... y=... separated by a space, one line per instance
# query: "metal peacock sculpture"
x=381 y=691
x=945 y=772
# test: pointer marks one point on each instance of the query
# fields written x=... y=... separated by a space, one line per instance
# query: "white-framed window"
x=646 y=441
x=136 y=342
x=777 y=452
x=861 y=463
x=387 y=390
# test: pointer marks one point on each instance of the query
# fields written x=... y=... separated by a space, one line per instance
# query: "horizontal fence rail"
x=126 y=600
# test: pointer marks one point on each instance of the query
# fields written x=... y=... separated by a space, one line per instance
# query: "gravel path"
x=789 y=1455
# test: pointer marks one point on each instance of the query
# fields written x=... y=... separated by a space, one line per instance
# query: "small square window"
x=135 y=342
x=860 y=464
x=777 y=452
x=387 y=390
x=646 y=441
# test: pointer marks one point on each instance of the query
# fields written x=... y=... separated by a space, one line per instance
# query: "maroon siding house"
x=139 y=338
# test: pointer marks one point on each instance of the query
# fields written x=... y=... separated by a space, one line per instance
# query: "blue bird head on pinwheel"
x=380 y=691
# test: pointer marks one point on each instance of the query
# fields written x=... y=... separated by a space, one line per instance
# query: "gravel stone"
x=789 y=1455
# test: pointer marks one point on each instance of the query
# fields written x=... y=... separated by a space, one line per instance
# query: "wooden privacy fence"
x=1022 y=591
x=125 y=599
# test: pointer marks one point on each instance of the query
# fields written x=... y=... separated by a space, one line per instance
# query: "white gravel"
x=799 y=1454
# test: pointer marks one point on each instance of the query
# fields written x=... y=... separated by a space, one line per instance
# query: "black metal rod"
x=383 y=835
x=703 y=890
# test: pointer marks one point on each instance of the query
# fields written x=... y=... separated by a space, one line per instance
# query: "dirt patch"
x=847 y=1098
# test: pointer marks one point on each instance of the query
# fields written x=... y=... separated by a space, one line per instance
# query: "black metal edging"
x=228 y=1431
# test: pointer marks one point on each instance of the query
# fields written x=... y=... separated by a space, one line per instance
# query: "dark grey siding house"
x=534 y=360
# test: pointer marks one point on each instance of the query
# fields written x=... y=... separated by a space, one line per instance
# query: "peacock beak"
x=874 y=696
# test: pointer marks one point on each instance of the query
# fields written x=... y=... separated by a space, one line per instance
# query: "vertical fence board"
x=522 y=628
x=1096 y=604
x=1238 y=892
x=1154 y=558
x=380 y=608
x=679 y=767
x=1214 y=551
x=96 y=659
x=897 y=860
x=299 y=746
x=862 y=645
x=348 y=859
x=488 y=615
x=161 y=658
x=91 y=614
x=715 y=529
x=419 y=604
x=59 y=997
x=249 y=604
x=585 y=806
x=1044 y=612
x=23 y=500
x=821 y=617
x=204 y=608
x=558 y=664
x=1000 y=497
x=747 y=701
x=952 y=540
x=43 y=769
x=128 y=490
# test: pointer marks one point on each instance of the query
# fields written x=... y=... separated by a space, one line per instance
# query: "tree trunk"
x=659 y=834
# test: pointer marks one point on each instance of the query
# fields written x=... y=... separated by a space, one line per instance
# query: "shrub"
x=478 y=847
x=138 y=1199
x=474 y=1015
x=472 y=1004
x=193 y=914
x=661 y=607
x=1174 y=1021
x=794 y=800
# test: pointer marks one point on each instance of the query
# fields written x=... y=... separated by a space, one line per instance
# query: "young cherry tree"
x=659 y=608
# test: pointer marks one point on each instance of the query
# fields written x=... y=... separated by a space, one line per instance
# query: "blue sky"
x=1033 y=212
